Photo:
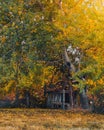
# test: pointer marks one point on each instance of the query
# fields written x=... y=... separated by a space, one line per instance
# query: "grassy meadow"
x=49 y=119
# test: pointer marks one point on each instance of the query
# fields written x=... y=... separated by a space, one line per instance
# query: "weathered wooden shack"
x=62 y=96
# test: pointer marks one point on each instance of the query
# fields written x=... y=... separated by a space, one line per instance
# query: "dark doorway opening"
x=67 y=99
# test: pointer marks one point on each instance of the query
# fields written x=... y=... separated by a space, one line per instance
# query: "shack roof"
x=59 y=86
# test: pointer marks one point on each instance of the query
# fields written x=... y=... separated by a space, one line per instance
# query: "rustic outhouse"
x=61 y=96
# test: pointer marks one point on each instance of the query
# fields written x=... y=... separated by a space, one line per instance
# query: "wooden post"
x=71 y=97
x=63 y=99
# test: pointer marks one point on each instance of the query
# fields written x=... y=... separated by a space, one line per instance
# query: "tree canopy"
x=33 y=35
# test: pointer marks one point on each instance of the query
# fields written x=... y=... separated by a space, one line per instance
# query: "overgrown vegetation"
x=33 y=35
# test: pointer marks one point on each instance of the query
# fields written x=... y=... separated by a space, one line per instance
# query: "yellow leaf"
x=19 y=12
x=3 y=39
x=13 y=24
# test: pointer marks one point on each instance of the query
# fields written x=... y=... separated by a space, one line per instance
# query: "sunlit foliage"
x=33 y=34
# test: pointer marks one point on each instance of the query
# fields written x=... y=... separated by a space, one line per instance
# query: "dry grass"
x=46 y=119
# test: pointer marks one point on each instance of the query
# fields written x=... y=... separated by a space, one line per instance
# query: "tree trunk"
x=84 y=100
x=17 y=89
x=17 y=97
x=27 y=101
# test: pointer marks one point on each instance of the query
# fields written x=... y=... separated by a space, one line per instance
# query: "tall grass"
x=48 y=119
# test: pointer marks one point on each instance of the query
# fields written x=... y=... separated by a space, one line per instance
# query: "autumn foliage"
x=33 y=34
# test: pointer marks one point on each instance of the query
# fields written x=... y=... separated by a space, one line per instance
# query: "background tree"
x=33 y=34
